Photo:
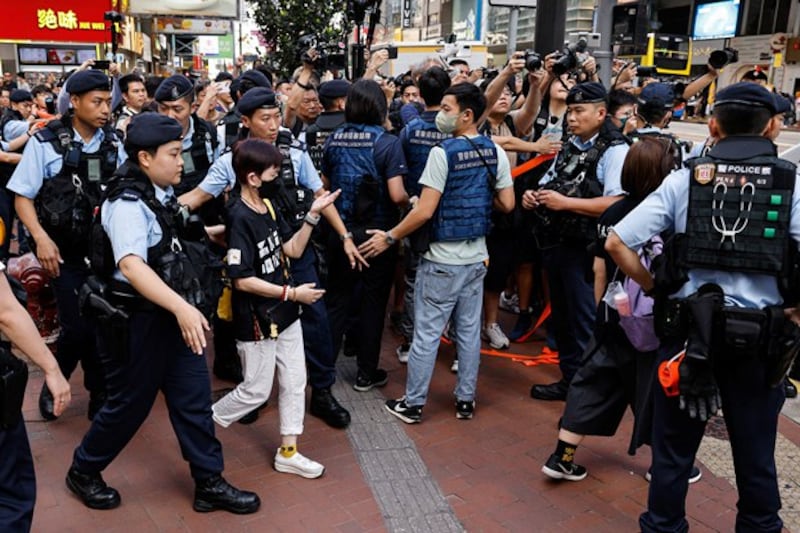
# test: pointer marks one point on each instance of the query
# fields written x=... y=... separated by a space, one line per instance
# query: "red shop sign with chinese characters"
x=56 y=20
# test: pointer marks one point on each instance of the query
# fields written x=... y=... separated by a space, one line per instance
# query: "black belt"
x=123 y=295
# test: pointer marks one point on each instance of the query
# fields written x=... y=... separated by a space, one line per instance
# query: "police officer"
x=299 y=184
x=57 y=188
x=332 y=96
x=583 y=182
x=726 y=305
x=163 y=346
x=229 y=125
x=17 y=479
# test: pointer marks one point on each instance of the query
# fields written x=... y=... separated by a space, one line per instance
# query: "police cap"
x=174 y=88
x=256 y=78
x=782 y=104
x=745 y=93
x=151 y=130
x=587 y=93
x=334 y=89
x=257 y=98
x=21 y=95
x=84 y=81
x=657 y=95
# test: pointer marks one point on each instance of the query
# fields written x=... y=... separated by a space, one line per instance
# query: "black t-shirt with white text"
x=255 y=243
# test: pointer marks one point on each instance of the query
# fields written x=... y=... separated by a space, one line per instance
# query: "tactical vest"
x=738 y=215
x=66 y=201
x=195 y=159
x=7 y=169
x=316 y=136
x=676 y=145
x=230 y=123
x=465 y=208
x=293 y=200
x=363 y=200
x=421 y=136
x=575 y=177
x=181 y=258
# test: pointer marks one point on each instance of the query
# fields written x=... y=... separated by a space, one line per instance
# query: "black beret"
x=782 y=104
x=334 y=89
x=657 y=95
x=174 y=88
x=746 y=93
x=256 y=78
x=587 y=93
x=84 y=81
x=223 y=76
x=20 y=95
x=256 y=98
x=151 y=130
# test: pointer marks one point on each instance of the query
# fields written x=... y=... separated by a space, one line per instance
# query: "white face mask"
x=446 y=123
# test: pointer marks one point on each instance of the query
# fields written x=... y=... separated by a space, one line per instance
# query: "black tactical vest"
x=575 y=177
x=318 y=133
x=66 y=202
x=293 y=200
x=195 y=159
x=738 y=215
x=182 y=258
x=230 y=123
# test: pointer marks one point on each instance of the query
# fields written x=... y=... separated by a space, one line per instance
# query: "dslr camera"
x=304 y=45
x=533 y=61
x=572 y=57
x=720 y=58
x=646 y=72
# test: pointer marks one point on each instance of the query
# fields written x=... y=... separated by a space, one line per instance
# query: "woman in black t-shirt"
x=613 y=374
x=265 y=304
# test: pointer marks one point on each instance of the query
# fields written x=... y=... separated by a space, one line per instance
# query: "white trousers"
x=259 y=361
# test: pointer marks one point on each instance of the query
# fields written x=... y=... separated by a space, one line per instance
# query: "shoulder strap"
x=270 y=208
x=492 y=174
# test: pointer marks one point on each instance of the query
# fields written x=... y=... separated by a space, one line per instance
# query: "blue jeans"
x=441 y=291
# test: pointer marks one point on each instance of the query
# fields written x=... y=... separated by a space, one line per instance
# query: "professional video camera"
x=646 y=72
x=329 y=55
x=720 y=58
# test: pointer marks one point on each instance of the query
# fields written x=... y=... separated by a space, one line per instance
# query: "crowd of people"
x=283 y=213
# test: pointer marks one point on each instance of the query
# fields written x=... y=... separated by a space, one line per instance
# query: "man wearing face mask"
x=463 y=179
x=292 y=193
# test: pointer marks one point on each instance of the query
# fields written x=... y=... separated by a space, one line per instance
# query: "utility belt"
x=98 y=301
x=734 y=333
x=123 y=296
x=13 y=379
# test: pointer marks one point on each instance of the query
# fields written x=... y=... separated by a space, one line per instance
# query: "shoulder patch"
x=234 y=256
x=704 y=173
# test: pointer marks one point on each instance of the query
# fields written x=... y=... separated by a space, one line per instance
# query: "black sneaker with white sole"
x=465 y=410
x=694 y=476
x=365 y=383
x=407 y=413
x=558 y=469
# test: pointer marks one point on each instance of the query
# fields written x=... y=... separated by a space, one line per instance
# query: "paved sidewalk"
x=382 y=475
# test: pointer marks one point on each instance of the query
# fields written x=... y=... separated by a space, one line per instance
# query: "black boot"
x=46 y=403
x=96 y=401
x=554 y=392
x=215 y=493
x=92 y=490
x=324 y=406
x=789 y=388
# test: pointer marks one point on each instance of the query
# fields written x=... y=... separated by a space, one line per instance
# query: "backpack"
x=639 y=326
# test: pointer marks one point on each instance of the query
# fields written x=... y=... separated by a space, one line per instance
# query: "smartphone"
x=101 y=64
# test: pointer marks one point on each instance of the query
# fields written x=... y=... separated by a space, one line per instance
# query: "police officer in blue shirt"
x=332 y=96
x=653 y=113
x=16 y=127
x=163 y=346
x=736 y=218
x=299 y=184
x=583 y=181
x=57 y=188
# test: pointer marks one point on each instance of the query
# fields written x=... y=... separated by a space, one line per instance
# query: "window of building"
x=767 y=17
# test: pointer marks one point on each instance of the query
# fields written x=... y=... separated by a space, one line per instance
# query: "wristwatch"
x=389 y=239
x=348 y=235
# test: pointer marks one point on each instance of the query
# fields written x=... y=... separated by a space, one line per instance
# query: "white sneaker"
x=298 y=464
x=402 y=353
x=454 y=366
x=495 y=336
x=509 y=303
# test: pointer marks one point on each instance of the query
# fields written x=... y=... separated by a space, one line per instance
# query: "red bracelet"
x=285 y=292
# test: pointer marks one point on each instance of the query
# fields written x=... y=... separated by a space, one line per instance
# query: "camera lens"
x=719 y=58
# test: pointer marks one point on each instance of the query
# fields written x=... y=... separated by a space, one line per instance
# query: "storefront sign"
x=56 y=21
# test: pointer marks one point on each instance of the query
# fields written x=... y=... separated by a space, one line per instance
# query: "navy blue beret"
x=20 y=95
x=746 y=93
x=151 y=130
x=782 y=104
x=334 y=89
x=84 y=81
x=174 y=88
x=657 y=95
x=256 y=98
x=255 y=78
x=587 y=93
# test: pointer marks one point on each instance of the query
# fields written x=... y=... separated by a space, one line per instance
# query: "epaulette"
x=45 y=135
x=298 y=145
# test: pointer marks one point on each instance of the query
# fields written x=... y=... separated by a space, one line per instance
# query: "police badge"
x=704 y=173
